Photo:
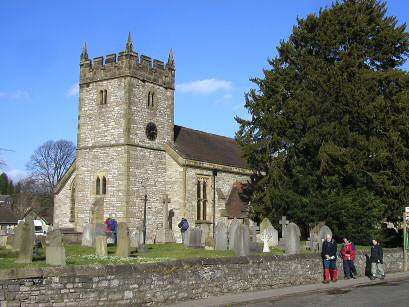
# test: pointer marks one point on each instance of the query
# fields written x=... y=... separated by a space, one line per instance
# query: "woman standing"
x=348 y=256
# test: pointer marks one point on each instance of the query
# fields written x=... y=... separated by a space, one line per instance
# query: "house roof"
x=45 y=213
x=201 y=146
x=7 y=217
x=237 y=205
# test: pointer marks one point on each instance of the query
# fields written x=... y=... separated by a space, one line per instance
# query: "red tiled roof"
x=237 y=204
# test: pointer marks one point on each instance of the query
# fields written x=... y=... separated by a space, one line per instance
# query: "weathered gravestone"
x=3 y=240
x=221 y=237
x=253 y=244
x=292 y=239
x=241 y=240
x=264 y=224
x=314 y=239
x=97 y=211
x=101 y=248
x=323 y=234
x=136 y=237
x=269 y=236
x=54 y=251
x=122 y=249
x=283 y=222
x=193 y=238
x=27 y=242
x=165 y=234
x=234 y=224
x=88 y=235
x=17 y=236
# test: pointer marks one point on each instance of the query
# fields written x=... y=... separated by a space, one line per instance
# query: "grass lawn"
x=81 y=255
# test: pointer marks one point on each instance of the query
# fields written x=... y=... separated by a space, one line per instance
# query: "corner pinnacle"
x=171 y=59
x=129 y=44
x=84 y=53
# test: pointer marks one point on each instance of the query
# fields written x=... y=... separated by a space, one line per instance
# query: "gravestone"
x=54 y=251
x=3 y=240
x=283 y=222
x=101 y=248
x=269 y=237
x=292 y=239
x=167 y=235
x=253 y=244
x=10 y=241
x=322 y=235
x=27 y=242
x=97 y=211
x=264 y=224
x=241 y=240
x=122 y=249
x=221 y=237
x=88 y=235
x=136 y=237
x=234 y=224
x=17 y=236
x=193 y=238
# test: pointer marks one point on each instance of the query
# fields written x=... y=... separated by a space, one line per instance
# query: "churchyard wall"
x=157 y=283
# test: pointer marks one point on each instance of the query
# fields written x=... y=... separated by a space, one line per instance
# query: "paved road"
x=393 y=293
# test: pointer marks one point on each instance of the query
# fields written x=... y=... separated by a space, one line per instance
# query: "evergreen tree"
x=328 y=134
x=4 y=184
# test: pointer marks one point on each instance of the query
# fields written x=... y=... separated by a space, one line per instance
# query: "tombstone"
x=10 y=241
x=54 y=251
x=221 y=237
x=101 y=248
x=292 y=239
x=88 y=235
x=193 y=238
x=27 y=242
x=322 y=235
x=241 y=240
x=269 y=237
x=234 y=224
x=264 y=224
x=17 y=236
x=122 y=249
x=3 y=240
x=97 y=211
x=253 y=244
x=283 y=222
x=136 y=237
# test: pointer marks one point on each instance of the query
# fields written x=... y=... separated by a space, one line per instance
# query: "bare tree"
x=50 y=161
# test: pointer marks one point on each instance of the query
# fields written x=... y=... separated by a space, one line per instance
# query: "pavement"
x=354 y=292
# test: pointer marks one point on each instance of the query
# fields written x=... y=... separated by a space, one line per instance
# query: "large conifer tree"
x=328 y=133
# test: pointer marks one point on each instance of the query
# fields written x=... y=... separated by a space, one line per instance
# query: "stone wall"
x=148 y=284
x=62 y=204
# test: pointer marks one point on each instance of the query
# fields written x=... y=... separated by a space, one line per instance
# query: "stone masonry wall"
x=62 y=205
x=151 y=284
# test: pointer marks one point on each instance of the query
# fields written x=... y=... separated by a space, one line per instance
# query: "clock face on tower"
x=151 y=131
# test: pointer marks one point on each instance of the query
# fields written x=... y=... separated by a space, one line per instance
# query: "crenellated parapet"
x=127 y=63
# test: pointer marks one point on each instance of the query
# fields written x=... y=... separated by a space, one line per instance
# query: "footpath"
x=256 y=296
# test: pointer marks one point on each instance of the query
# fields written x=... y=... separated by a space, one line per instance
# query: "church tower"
x=126 y=117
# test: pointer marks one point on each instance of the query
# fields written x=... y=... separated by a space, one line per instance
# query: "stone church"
x=128 y=146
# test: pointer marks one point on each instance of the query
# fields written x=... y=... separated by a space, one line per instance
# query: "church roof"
x=237 y=205
x=201 y=146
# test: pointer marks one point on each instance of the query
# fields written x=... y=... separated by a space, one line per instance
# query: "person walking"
x=329 y=256
x=377 y=266
x=348 y=257
x=184 y=226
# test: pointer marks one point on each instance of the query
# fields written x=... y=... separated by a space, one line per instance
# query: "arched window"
x=199 y=202
x=204 y=197
x=104 y=185
x=102 y=97
x=72 y=209
x=98 y=186
x=201 y=210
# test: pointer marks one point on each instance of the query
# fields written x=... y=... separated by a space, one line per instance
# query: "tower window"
x=104 y=185
x=72 y=209
x=151 y=99
x=102 y=97
x=98 y=186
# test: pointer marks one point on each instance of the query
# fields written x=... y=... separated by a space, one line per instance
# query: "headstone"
x=88 y=235
x=283 y=222
x=193 y=238
x=122 y=249
x=3 y=240
x=315 y=232
x=55 y=251
x=27 y=242
x=241 y=240
x=101 y=248
x=234 y=224
x=17 y=236
x=254 y=246
x=292 y=239
x=10 y=240
x=97 y=211
x=322 y=235
x=136 y=237
x=269 y=237
x=264 y=224
x=221 y=236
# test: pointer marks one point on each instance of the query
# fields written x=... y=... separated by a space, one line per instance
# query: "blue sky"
x=218 y=46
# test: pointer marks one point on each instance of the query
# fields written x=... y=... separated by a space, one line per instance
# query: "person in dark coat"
x=348 y=257
x=377 y=267
x=184 y=226
x=329 y=256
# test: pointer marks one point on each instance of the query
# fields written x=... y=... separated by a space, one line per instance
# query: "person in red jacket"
x=348 y=253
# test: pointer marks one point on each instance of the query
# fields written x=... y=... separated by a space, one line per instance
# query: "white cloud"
x=73 y=90
x=16 y=174
x=16 y=95
x=205 y=86
x=225 y=98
